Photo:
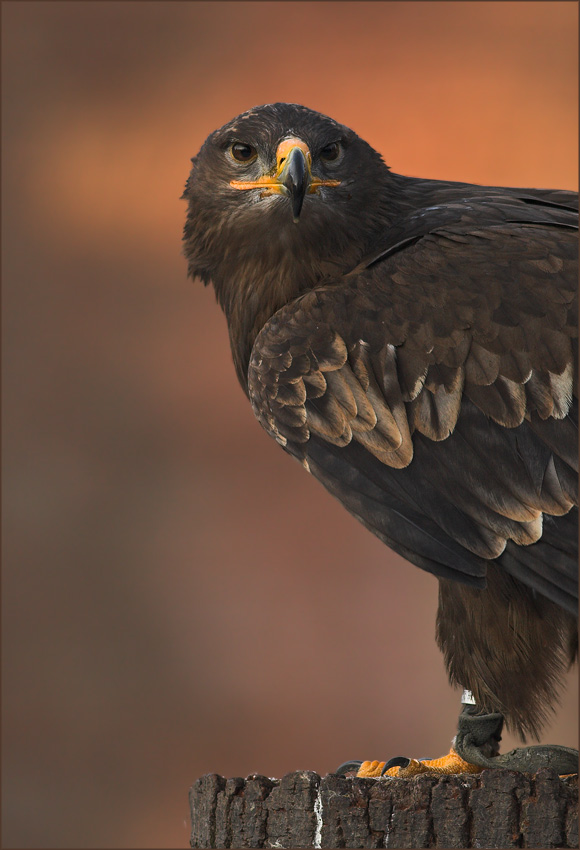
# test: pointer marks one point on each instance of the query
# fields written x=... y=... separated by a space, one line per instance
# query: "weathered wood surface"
x=494 y=809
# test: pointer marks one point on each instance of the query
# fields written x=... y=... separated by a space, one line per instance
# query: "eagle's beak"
x=294 y=173
x=292 y=176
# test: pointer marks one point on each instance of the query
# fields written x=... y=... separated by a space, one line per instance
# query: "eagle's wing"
x=432 y=393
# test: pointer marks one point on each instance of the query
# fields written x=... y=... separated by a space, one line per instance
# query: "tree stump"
x=497 y=808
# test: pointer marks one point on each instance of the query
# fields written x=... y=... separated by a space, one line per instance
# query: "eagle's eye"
x=331 y=152
x=242 y=152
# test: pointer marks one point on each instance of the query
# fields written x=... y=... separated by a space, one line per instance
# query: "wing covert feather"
x=443 y=374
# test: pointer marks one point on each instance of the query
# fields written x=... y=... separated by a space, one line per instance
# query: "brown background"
x=179 y=596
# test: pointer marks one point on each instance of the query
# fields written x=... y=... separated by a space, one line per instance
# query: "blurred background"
x=179 y=597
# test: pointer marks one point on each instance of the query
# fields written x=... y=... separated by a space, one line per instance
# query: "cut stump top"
x=497 y=808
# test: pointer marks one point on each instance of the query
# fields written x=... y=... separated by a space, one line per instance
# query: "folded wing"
x=433 y=392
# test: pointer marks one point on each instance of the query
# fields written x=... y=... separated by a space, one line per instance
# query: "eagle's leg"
x=489 y=729
x=511 y=648
x=477 y=728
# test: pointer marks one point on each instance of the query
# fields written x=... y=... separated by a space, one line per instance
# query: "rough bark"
x=494 y=809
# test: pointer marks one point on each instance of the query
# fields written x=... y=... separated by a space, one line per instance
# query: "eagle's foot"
x=451 y=763
x=404 y=768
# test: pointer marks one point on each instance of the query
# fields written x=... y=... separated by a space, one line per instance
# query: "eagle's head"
x=280 y=200
x=278 y=184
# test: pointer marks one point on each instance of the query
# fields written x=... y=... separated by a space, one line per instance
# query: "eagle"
x=413 y=344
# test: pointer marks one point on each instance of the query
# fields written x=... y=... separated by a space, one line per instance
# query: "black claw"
x=347 y=766
x=397 y=761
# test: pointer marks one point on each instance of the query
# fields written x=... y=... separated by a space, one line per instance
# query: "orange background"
x=179 y=596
